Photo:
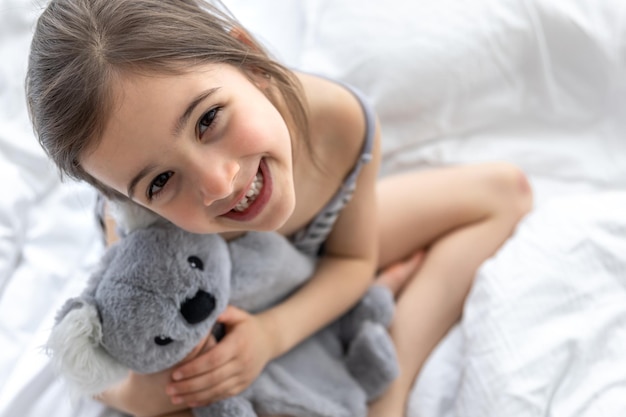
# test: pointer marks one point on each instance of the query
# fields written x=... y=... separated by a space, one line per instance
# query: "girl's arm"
x=348 y=266
x=345 y=271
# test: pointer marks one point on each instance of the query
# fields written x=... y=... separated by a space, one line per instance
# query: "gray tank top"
x=310 y=239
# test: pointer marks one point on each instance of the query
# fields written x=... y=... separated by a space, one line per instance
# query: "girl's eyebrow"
x=133 y=183
x=184 y=118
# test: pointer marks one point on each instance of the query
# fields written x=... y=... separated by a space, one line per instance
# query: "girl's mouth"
x=252 y=193
x=255 y=199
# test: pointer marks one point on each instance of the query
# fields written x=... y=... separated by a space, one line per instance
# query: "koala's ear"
x=76 y=351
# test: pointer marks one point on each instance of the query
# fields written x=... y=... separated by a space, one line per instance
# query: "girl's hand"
x=229 y=367
x=140 y=395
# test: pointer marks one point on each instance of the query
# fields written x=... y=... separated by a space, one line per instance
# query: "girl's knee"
x=512 y=190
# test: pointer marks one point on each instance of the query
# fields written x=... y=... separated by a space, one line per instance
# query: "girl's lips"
x=259 y=203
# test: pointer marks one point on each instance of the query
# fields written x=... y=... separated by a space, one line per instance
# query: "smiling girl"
x=172 y=105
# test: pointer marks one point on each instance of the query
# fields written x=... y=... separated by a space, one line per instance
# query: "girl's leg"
x=461 y=215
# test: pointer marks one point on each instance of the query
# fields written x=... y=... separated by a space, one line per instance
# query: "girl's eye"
x=158 y=183
x=207 y=119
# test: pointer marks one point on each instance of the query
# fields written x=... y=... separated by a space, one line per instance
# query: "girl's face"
x=206 y=150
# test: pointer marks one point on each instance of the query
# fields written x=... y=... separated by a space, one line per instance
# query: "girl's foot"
x=398 y=274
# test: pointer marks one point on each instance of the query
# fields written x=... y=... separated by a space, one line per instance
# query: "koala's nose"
x=198 y=308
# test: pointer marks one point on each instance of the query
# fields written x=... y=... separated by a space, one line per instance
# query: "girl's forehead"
x=146 y=81
x=172 y=92
x=144 y=93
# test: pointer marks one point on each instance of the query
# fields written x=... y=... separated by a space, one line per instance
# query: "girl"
x=172 y=105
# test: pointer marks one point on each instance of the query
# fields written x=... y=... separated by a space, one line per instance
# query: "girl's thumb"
x=232 y=315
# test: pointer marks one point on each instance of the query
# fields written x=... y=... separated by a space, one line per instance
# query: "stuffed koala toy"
x=158 y=292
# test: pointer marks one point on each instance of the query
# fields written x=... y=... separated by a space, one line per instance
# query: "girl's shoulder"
x=337 y=124
x=338 y=127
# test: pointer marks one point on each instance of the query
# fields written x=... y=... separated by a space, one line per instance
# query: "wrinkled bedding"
x=541 y=83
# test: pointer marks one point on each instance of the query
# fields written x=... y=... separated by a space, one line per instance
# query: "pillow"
x=448 y=70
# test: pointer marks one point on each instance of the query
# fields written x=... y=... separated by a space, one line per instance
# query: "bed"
x=541 y=83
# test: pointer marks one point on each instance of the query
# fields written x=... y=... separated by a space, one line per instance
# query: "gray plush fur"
x=158 y=292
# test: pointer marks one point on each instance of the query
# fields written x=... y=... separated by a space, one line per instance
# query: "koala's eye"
x=195 y=263
x=162 y=340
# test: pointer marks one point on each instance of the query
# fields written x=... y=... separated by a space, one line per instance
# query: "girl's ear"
x=260 y=78
x=242 y=36
x=77 y=353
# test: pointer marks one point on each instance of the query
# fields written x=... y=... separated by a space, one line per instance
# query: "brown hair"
x=80 y=46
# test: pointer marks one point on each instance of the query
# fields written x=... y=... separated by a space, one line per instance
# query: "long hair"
x=80 y=47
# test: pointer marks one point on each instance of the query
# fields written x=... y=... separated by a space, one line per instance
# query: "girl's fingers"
x=226 y=369
x=204 y=346
x=213 y=355
x=214 y=358
x=227 y=389
x=209 y=388
x=205 y=381
x=232 y=315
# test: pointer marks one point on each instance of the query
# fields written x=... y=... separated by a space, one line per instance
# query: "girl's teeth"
x=251 y=194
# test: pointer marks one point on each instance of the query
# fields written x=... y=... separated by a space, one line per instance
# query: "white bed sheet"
x=547 y=337
x=541 y=83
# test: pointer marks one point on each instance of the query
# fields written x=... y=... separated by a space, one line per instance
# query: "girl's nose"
x=216 y=181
